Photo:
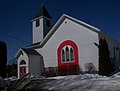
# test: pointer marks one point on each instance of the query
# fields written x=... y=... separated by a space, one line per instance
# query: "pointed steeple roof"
x=43 y=12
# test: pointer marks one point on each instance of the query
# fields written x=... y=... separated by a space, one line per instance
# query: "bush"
x=90 y=68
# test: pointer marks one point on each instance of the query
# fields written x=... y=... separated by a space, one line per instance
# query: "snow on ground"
x=86 y=82
x=82 y=82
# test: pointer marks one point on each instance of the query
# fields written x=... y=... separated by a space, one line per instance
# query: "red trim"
x=75 y=48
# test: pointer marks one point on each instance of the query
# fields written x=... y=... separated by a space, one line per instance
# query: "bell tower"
x=41 y=24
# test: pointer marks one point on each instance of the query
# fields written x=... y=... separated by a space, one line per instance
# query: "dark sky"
x=16 y=16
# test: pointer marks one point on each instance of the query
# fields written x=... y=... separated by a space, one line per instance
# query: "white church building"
x=68 y=45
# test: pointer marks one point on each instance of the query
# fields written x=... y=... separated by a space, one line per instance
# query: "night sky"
x=16 y=16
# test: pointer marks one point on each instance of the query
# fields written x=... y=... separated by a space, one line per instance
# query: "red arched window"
x=67 y=55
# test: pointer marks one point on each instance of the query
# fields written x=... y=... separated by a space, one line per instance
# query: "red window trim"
x=75 y=48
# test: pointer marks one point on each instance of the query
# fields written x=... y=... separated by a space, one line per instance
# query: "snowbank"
x=86 y=82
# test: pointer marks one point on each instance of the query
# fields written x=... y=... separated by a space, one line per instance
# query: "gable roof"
x=30 y=51
x=43 y=12
x=27 y=51
x=56 y=26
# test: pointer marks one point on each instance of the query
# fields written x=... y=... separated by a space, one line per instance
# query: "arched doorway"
x=22 y=70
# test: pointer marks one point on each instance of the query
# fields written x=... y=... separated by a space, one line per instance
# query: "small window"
x=67 y=53
x=37 y=23
x=71 y=54
x=22 y=62
x=63 y=55
x=48 y=23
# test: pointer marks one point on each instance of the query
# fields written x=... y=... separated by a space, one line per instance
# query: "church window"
x=71 y=54
x=37 y=23
x=63 y=55
x=67 y=53
x=48 y=23
x=22 y=62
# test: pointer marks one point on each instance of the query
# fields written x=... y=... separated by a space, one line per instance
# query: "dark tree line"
x=3 y=58
x=11 y=70
x=106 y=67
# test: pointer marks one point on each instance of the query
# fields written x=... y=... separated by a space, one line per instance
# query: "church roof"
x=30 y=51
x=27 y=51
x=43 y=12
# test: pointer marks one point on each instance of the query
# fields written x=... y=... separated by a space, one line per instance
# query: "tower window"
x=48 y=23
x=37 y=23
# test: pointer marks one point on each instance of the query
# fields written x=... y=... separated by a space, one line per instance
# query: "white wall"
x=36 y=64
x=82 y=36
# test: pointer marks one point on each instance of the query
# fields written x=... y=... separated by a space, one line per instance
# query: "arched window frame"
x=65 y=65
x=22 y=62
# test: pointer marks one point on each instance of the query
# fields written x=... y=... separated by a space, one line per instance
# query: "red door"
x=22 y=71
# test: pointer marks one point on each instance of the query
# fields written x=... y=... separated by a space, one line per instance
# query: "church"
x=67 y=47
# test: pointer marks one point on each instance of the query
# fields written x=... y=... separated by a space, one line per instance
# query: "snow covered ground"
x=82 y=82
x=86 y=82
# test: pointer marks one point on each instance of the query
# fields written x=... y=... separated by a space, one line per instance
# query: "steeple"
x=42 y=24
x=43 y=12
